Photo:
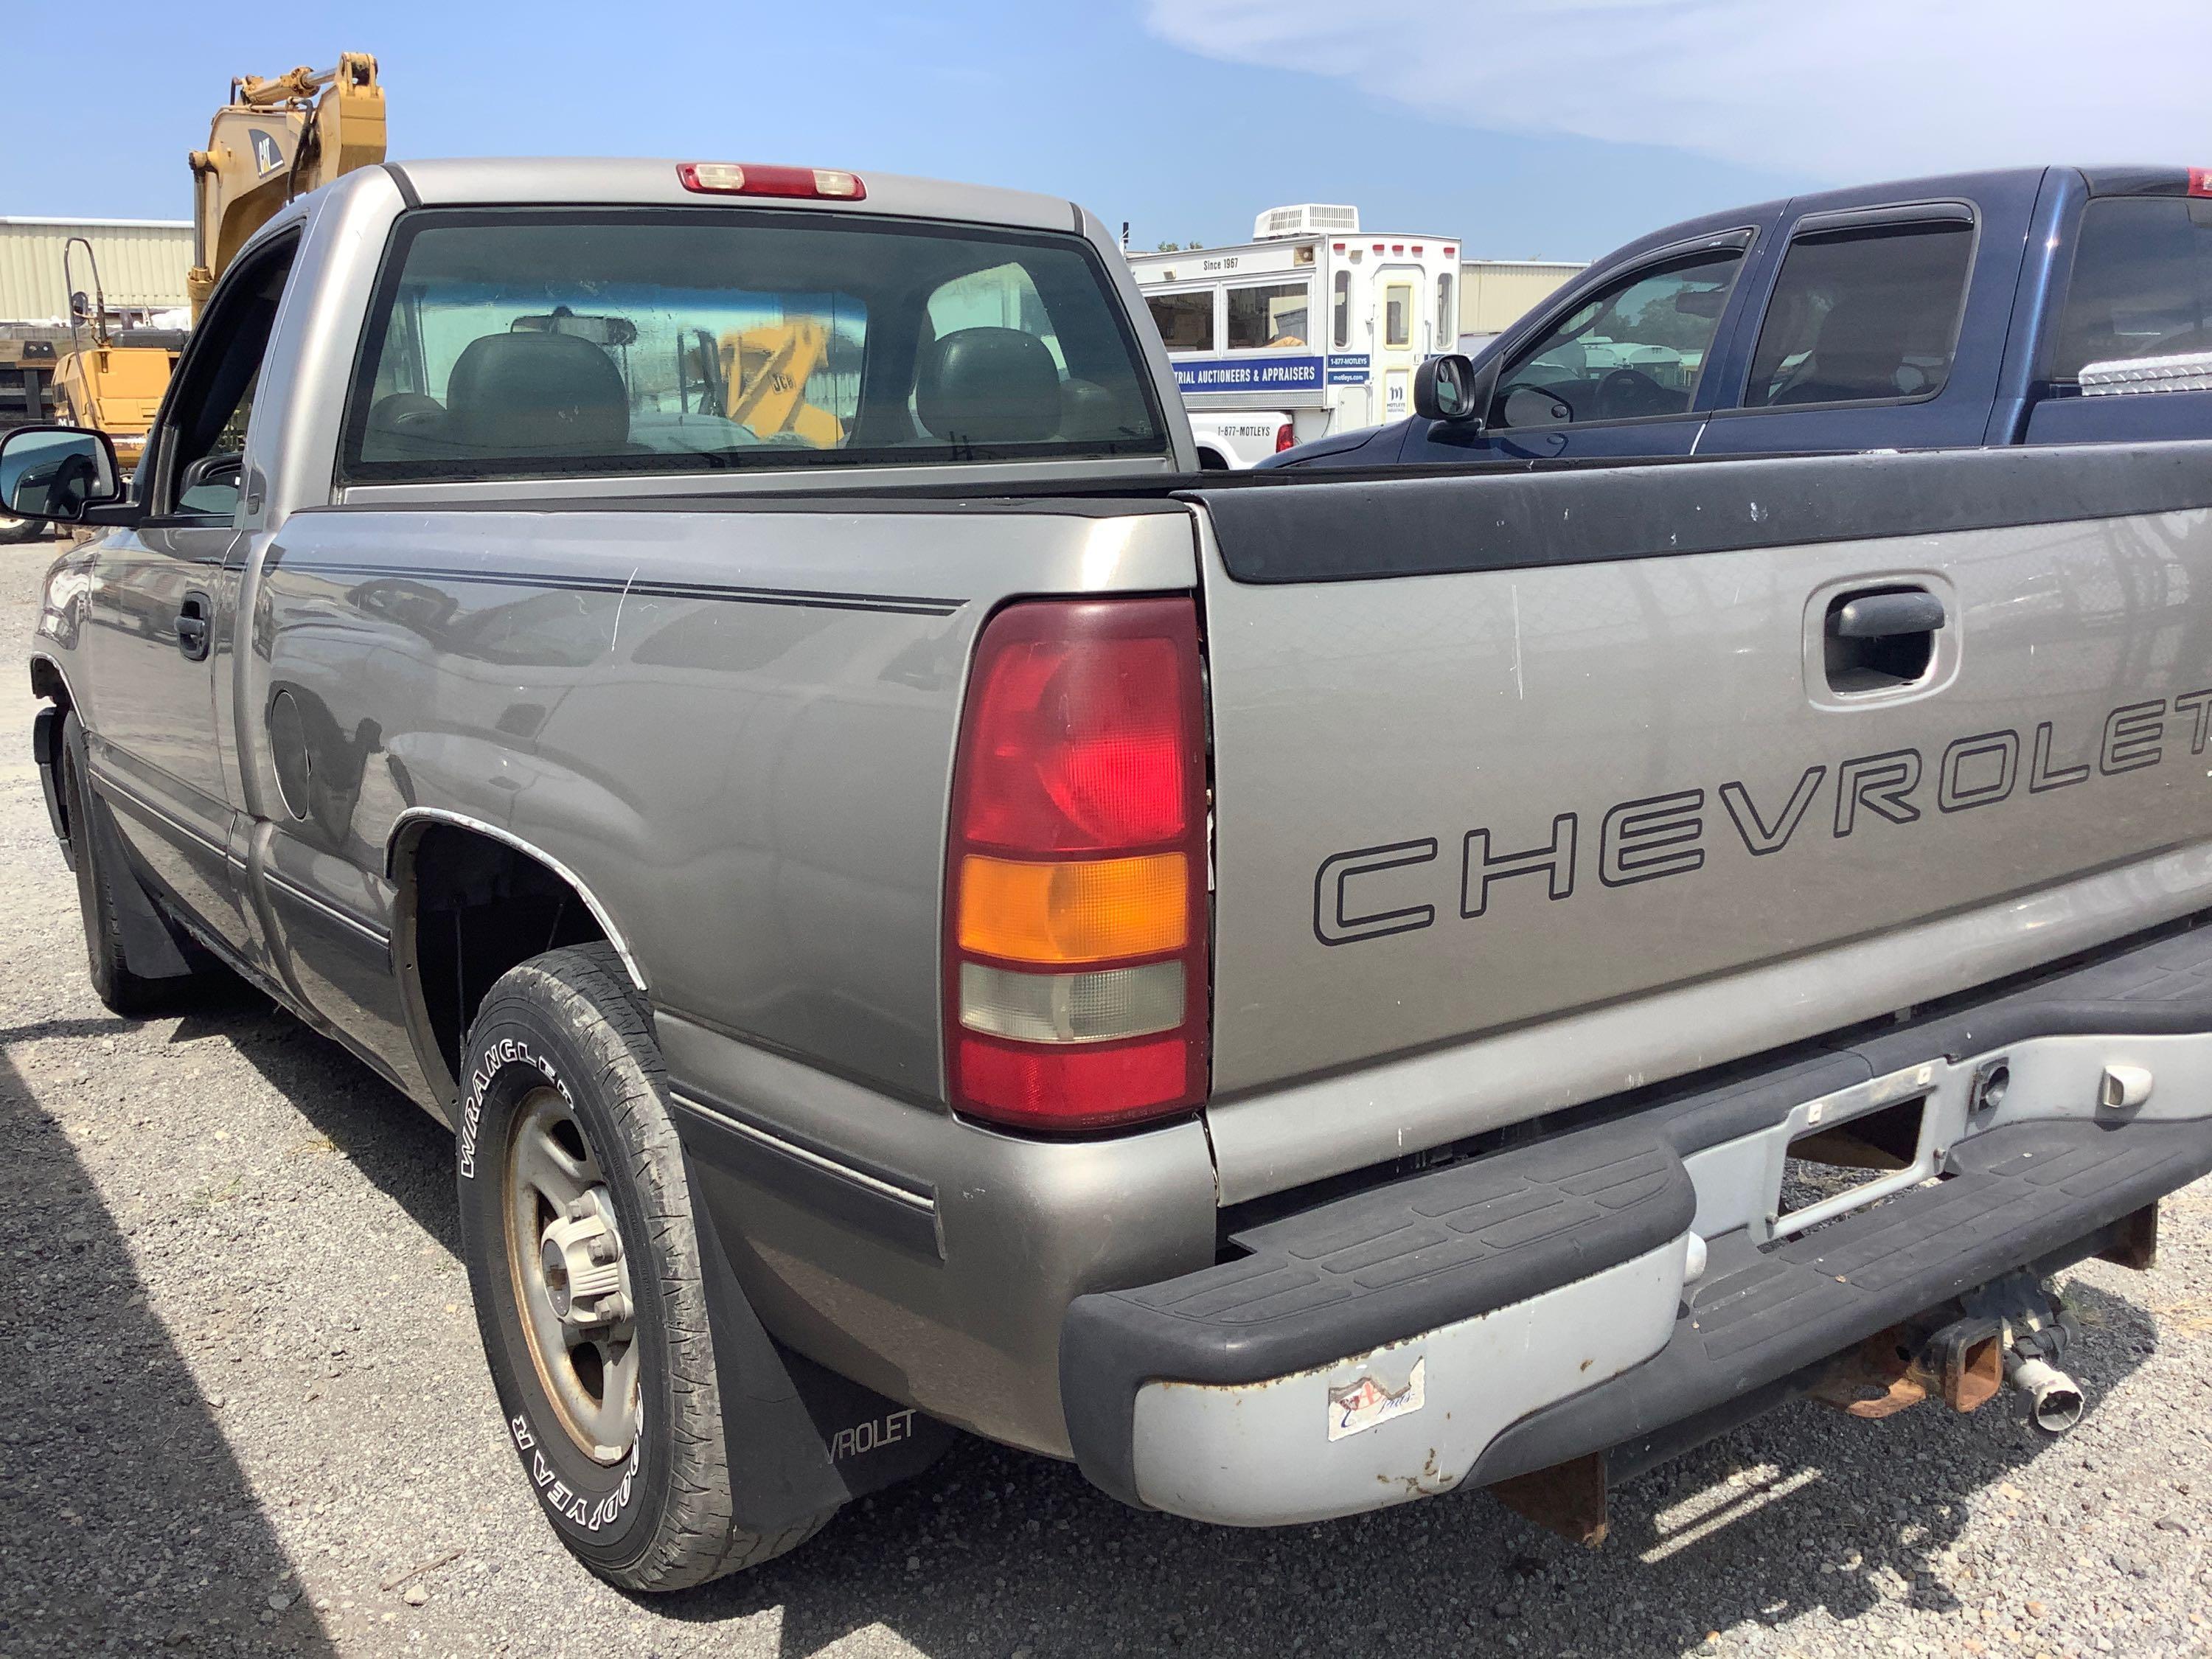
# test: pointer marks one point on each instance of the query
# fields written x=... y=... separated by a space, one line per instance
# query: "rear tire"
x=576 y=1225
x=114 y=980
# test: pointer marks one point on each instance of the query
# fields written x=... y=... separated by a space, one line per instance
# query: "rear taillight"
x=1284 y=437
x=2200 y=181
x=1075 y=904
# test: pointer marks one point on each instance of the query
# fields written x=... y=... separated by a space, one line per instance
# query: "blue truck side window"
x=2142 y=285
x=1861 y=316
x=1633 y=349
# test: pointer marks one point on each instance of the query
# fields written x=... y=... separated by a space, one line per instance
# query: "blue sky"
x=1526 y=128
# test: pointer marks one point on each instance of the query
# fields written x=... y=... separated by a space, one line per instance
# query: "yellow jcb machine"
x=114 y=386
x=275 y=140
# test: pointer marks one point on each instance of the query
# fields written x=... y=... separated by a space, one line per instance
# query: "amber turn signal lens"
x=1096 y=910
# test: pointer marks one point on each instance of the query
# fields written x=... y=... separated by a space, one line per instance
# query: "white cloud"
x=1841 y=90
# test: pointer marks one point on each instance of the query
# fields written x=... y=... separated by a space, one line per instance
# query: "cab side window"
x=1633 y=349
x=202 y=463
x=2142 y=283
x=1863 y=316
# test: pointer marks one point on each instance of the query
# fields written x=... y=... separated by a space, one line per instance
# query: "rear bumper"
x=1602 y=1286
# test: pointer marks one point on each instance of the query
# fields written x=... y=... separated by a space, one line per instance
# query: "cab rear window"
x=538 y=343
x=2142 y=285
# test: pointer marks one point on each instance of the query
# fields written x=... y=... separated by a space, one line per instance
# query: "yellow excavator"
x=273 y=140
x=765 y=371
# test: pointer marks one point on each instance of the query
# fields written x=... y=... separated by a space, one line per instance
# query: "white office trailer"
x=1312 y=327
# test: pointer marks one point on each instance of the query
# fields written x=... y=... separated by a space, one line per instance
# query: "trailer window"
x=2142 y=285
x=1185 y=320
x=575 y=343
x=1272 y=316
x=1398 y=315
x=1447 y=324
x=1863 y=316
x=1340 y=324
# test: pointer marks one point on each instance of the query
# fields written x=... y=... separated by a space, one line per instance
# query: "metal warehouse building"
x=1494 y=292
x=142 y=263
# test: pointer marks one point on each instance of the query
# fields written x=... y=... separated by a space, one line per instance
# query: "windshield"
x=522 y=343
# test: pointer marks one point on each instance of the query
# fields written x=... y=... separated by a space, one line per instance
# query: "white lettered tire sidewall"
x=609 y=1515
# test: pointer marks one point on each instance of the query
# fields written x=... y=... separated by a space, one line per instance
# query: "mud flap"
x=46 y=750
x=800 y=1439
x=151 y=944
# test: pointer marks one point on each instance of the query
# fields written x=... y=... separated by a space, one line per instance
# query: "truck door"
x=1618 y=371
x=162 y=606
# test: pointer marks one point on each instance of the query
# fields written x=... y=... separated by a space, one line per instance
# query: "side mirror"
x=1445 y=389
x=58 y=473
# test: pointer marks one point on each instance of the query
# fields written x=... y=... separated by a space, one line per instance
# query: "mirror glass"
x=48 y=472
x=1453 y=387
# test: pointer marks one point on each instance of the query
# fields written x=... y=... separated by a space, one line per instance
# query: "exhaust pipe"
x=2054 y=1399
x=2034 y=1328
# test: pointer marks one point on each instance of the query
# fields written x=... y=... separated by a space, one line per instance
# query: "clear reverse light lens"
x=1119 y=1002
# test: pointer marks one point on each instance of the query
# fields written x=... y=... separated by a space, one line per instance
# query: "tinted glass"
x=1633 y=349
x=1185 y=320
x=1271 y=316
x=522 y=343
x=1340 y=327
x=1446 y=331
x=2142 y=284
x=1863 y=316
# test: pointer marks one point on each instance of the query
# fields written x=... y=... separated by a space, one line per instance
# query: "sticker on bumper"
x=1357 y=1407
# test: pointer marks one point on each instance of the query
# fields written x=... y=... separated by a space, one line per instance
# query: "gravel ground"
x=254 y=1419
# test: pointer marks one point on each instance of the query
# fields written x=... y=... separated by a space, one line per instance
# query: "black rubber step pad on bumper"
x=2022 y=1195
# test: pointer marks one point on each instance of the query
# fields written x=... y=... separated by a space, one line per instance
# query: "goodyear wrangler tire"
x=577 y=1229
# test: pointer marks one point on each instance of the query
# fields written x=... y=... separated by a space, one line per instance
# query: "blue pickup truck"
x=1987 y=308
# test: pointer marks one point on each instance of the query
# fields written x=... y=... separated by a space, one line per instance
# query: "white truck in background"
x=1313 y=327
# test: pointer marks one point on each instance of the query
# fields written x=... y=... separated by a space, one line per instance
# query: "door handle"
x=1884 y=616
x=192 y=626
x=1882 y=639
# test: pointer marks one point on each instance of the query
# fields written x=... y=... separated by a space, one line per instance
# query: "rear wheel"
x=577 y=1229
x=21 y=530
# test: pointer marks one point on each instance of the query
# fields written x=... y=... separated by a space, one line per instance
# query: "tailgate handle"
x=1882 y=640
x=1884 y=616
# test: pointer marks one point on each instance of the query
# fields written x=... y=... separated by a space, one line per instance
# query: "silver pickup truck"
x=925 y=914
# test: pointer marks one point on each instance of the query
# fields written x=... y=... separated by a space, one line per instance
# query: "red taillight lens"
x=1076 y=960
x=2200 y=181
x=1284 y=437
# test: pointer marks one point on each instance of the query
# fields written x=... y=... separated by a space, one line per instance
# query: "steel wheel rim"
x=577 y=1318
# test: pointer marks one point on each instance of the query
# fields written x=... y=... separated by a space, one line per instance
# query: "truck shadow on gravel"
x=995 y=1553
x=126 y=1525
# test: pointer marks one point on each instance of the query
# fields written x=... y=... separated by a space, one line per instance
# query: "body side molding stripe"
x=291 y=889
x=646 y=588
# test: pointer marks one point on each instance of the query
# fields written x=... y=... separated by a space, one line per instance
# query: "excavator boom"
x=277 y=139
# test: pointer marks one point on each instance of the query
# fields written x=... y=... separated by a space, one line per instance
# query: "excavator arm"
x=275 y=140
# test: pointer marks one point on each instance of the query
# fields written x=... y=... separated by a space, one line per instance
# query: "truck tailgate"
x=1533 y=787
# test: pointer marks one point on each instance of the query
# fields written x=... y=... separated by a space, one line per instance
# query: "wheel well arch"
x=470 y=902
x=47 y=681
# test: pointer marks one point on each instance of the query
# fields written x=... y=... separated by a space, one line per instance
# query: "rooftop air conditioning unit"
x=1308 y=219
